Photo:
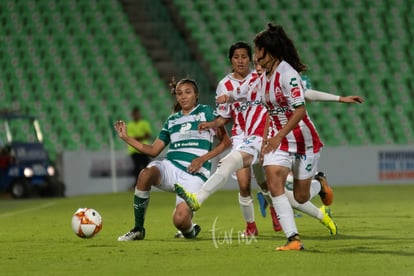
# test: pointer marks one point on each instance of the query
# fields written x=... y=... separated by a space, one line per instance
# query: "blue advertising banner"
x=396 y=165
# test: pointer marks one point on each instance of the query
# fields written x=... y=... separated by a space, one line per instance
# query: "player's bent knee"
x=148 y=176
x=182 y=216
x=301 y=198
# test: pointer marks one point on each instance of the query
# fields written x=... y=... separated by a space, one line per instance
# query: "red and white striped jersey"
x=253 y=111
x=243 y=102
x=282 y=92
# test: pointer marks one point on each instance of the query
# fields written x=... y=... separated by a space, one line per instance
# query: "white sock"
x=142 y=194
x=285 y=214
x=265 y=194
x=268 y=198
x=246 y=206
x=229 y=164
x=189 y=230
x=315 y=188
x=308 y=207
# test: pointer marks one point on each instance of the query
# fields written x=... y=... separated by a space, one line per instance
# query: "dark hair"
x=240 y=45
x=275 y=41
x=174 y=84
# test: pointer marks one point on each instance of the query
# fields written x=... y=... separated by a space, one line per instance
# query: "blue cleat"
x=262 y=203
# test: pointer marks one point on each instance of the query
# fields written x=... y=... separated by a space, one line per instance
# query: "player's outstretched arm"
x=218 y=122
x=315 y=95
x=151 y=150
x=351 y=99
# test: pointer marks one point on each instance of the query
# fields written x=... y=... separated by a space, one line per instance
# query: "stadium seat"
x=59 y=50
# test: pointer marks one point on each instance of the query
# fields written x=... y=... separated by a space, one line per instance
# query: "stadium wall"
x=103 y=172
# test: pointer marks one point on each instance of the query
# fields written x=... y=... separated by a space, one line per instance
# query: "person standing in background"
x=141 y=131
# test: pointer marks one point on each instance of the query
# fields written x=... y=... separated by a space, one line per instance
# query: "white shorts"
x=303 y=166
x=236 y=141
x=170 y=175
x=251 y=145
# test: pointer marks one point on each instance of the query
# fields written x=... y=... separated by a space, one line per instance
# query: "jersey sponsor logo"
x=245 y=105
x=185 y=127
x=186 y=144
x=295 y=92
x=279 y=110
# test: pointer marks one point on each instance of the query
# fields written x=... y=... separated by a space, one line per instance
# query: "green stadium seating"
x=75 y=64
x=85 y=59
x=351 y=47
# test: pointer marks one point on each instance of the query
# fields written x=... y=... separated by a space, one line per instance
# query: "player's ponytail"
x=275 y=41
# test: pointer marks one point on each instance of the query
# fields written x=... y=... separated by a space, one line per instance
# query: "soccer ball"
x=86 y=222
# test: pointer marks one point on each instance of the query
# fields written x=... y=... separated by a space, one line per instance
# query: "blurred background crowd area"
x=78 y=65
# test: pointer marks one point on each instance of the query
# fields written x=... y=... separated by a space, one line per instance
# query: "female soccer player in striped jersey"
x=237 y=84
x=246 y=107
x=293 y=144
x=187 y=160
x=322 y=213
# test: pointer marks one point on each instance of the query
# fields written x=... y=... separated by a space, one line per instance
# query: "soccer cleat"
x=251 y=230
x=262 y=203
x=293 y=243
x=192 y=235
x=189 y=198
x=326 y=192
x=179 y=235
x=276 y=224
x=197 y=230
x=133 y=235
x=327 y=220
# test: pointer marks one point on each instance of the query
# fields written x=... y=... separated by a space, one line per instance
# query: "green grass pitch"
x=375 y=238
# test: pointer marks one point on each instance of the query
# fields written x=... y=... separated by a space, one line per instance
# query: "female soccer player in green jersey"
x=187 y=160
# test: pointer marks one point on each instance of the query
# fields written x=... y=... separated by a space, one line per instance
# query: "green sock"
x=140 y=208
x=190 y=235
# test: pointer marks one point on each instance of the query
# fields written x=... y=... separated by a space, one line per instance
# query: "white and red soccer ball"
x=86 y=222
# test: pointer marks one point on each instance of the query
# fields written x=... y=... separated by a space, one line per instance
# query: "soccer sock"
x=285 y=213
x=141 y=200
x=246 y=206
x=229 y=164
x=189 y=233
x=315 y=188
x=265 y=192
x=308 y=207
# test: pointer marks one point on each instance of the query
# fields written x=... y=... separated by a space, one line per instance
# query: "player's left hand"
x=222 y=99
x=205 y=126
x=271 y=145
x=121 y=128
x=351 y=99
x=195 y=165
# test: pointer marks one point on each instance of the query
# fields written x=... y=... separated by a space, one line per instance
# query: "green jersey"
x=184 y=139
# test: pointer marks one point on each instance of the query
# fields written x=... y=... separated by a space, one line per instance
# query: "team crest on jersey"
x=222 y=107
x=280 y=98
x=293 y=82
x=197 y=117
x=238 y=90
